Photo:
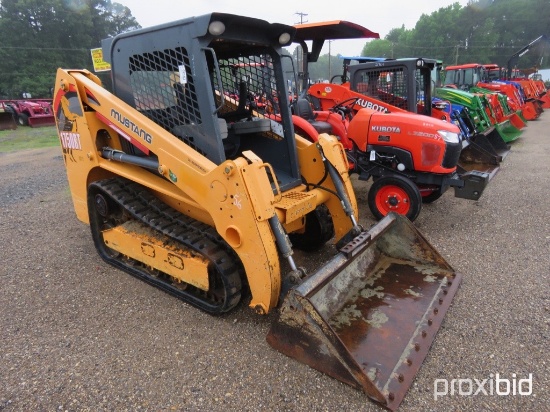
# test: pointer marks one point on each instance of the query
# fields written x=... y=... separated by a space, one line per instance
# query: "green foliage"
x=323 y=70
x=379 y=48
x=38 y=36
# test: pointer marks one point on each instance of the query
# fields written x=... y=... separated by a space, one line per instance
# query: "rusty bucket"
x=7 y=121
x=369 y=316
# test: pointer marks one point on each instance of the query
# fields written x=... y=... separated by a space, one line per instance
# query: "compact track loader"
x=187 y=185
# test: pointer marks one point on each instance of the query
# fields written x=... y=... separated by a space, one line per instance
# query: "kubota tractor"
x=407 y=85
x=411 y=158
x=201 y=194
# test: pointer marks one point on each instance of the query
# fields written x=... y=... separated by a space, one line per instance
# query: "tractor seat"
x=302 y=108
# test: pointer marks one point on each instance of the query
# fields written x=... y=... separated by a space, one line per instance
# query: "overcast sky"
x=379 y=16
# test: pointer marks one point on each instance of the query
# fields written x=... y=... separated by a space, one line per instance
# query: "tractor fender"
x=338 y=125
x=358 y=129
x=306 y=127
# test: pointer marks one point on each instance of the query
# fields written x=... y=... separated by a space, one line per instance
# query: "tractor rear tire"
x=433 y=196
x=319 y=230
x=394 y=194
x=23 y=119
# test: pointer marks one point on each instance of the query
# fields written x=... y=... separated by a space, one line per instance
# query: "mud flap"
x=369 y=316
x=7 y=121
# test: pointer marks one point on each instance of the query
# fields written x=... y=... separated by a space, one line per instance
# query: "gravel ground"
x=77 y=334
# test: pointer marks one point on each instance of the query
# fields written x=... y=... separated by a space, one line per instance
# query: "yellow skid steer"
x=191 y=178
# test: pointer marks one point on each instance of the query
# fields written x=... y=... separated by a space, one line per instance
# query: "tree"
x=322 y=70
x=40 y=35
x=378 y=48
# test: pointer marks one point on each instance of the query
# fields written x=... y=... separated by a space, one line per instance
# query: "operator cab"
x=215 y=82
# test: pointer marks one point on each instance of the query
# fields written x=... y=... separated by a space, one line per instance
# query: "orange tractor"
x=411 y=158
x=540 y=45
x=518 y=101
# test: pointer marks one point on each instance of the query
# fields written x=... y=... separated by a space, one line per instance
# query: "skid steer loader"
x=187 y=185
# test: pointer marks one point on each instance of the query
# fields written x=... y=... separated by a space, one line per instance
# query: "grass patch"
x=25 y=137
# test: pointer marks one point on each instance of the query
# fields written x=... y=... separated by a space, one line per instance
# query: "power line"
x=41 y=48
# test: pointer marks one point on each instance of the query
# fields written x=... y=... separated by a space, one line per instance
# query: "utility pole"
x=459 y=45
x=301 y=63
x=302 y=15
x=329 y=58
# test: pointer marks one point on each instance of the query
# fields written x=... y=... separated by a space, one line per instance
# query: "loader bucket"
x=529 y=111
x=483 y=152
x=493 y=142
x=517 y=121
x=369 y=316
x=40 y=121
x=521 y=116
x=7 y=121
x=508 y=131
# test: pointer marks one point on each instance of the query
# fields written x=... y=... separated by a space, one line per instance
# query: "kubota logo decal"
x=373 y=106
x=386 y=129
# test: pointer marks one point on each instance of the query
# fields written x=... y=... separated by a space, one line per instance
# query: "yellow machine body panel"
x=139 y=242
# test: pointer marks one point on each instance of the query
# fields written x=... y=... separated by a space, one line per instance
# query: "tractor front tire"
x=394 y=194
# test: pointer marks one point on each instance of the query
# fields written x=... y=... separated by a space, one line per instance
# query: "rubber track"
x=191 y=234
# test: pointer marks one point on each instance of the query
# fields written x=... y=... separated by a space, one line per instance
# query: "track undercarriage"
x=167 y=244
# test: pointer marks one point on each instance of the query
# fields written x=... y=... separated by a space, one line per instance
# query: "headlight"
x=450 y=137
x=284 y=38
x=216 y=28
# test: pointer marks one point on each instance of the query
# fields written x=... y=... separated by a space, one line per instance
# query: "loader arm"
x=223 y=191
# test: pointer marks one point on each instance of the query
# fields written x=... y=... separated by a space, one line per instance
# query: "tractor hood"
x=373 y=127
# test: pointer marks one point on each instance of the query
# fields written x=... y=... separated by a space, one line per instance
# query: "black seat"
x=242 y=112
x=302 y=108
